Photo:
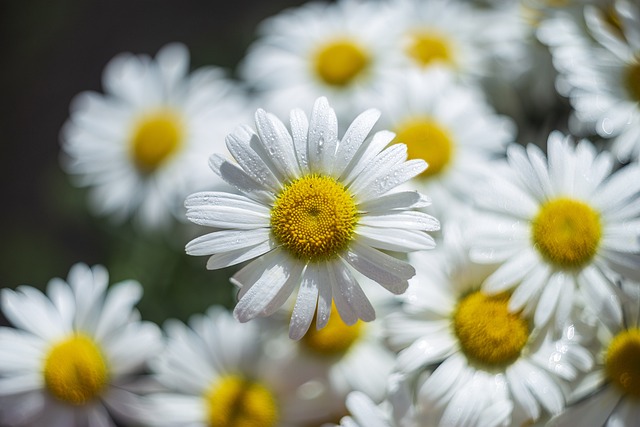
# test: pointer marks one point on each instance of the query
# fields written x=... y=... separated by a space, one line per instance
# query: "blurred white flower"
x=341 y=50
x=73 y=357
x=363 y=413
x=217 y=372
x=452 y=128
x=476 y=363
x=140 y=147
x=601 y=79
x=609 y=394
x=561 y=227
x=312 y=206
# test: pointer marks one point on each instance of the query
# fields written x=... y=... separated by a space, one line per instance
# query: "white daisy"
x=140 y=146
x=560 y=227
x=339 y=50
x=313 y=206
x=217 y=372
x=602 y=80
x=451 y=127
x=609 y=395
x=477 y=363
x=74 y=354
x=444 y=33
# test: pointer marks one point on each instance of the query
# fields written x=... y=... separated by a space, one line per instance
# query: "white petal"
x=257 y=296
x=353 y=139
x=227 y=259
x=118 y=304
x=549 y=299
x=278 y=143
x=300 y=132
x=324 y=295
x=380 y=267
x=592 y=411
x=251 y=162
x=365 y=155
x=227 y=212
x=351 y=302
x=510 y=273
x=408 y=220
x=226 y=240
x=238 y=178
x=29 y=309
x=305 y=306
x=323 y=136
x=395 y=239
x=399 y=174
x=399 y=200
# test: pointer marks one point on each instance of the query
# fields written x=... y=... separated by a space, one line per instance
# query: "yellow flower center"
x=427 y=140
x=488 y=333
x=566 y=232
x=314 y=217
x=632 y=81
x=155 y=139
x=234 y=401
x=335 y=338
x=622 y=361
x=340 y=62
x=429 y=47
x=75 y=370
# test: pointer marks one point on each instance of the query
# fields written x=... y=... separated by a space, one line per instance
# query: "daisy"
x=609 y=395
x=451 y=127
x=475 y=362
x=74 y=353
x=312 y=208
x=446 y=33
x=339 y=50
x=561 y=228
x=218 y=372
x=139 y=147
x=601 y=79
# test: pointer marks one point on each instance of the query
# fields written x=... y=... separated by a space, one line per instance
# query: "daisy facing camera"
x=312 y=208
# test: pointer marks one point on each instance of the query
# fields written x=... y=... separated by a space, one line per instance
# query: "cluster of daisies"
x=418 y=235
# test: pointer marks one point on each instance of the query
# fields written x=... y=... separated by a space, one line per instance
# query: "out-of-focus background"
x=52 y=50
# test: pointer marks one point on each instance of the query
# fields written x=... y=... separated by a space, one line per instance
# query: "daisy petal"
x=384 y=269
x=305 y=306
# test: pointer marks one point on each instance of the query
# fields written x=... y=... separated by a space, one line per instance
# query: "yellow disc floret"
x=622 y=362
x=314 y=217
x=487 y=332
x=427 y=48
x=335 y=338
x=632 y=80
x=155 y=139
x=234 y=401
x=566 y=232
x=75 y=370
x=427 y=140
x=340 y=62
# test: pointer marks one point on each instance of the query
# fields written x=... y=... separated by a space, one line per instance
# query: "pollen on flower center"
x=622 y=362
x=314 y=217
x=335 y=338
x=340 y=62
x=155 y=139
x=488 y=333
x=566 y=232
x=427 y=140
x=632 y=81
x=429 y=47
x=75 y=370
x=233 y=401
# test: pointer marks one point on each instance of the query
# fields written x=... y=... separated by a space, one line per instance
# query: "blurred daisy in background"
x=75 y=353
x=140 y=147
x=312 y=208
x=601 y=79
x=562 y=227
x=442 y=33
x=341 y=50
x=609 y=394
x=452 y=128
x=217 y=372
x=471 y=360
